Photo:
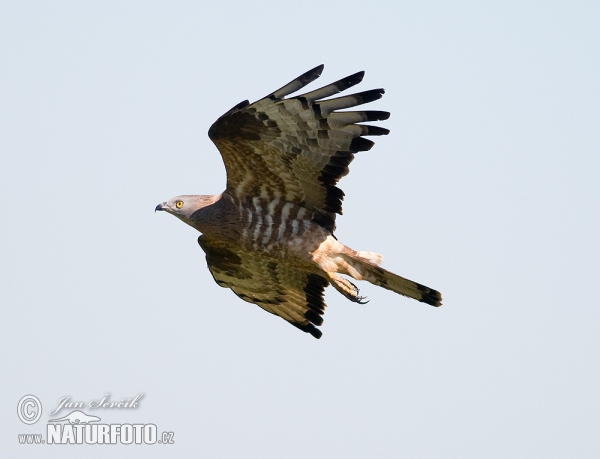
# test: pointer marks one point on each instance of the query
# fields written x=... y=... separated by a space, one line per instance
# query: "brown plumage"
x=269 y=235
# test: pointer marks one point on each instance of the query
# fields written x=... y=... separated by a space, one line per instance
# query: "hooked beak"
x=161 y=206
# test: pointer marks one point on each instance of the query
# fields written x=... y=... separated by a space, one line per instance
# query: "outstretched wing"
x=281 y=289
x=297 y=149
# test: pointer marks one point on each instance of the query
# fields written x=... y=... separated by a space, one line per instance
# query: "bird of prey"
x=269 y=236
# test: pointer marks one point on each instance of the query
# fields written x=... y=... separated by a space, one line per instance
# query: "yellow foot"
x=346 y=288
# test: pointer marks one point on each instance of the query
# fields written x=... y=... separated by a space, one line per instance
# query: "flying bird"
x=269 y=236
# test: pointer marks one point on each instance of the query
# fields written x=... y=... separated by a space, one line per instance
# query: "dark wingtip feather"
x=375 y=115
x=312 y=74
x=351 y=80
x=360 y=144
x=371 y=95
x=376 y=130
x=332 y=88
x=314 y=317
x=309 y=328
x=297 y=83
x=316 y=332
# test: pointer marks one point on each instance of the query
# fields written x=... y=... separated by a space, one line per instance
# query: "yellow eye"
x=179 y=204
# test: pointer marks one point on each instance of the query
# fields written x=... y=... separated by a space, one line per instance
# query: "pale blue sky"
x=486 y=189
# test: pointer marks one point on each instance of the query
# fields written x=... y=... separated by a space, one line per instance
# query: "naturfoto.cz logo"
x=78 y=427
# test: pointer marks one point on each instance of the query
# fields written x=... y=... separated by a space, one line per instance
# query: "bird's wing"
x=296 y=149
x=291 y=293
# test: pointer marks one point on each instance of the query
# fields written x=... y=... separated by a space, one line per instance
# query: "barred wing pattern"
x=273 y=284
x=296 y=149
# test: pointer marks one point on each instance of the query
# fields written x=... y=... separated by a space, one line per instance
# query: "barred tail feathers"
x=365 y=264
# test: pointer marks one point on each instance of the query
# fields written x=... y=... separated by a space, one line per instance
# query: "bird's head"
x=186 y=207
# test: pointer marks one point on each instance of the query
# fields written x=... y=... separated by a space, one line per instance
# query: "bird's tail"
x=365 y=266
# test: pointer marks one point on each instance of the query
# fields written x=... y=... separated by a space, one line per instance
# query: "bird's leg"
x=346 y=288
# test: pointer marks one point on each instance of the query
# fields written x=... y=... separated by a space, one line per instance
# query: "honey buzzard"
x=269 y=236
